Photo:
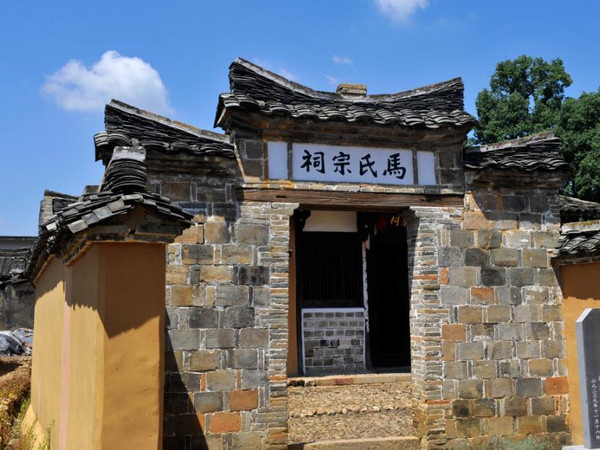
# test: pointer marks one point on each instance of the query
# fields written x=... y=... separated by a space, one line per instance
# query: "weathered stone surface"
x=219 y=338
x=203 y=318
x=238 y=317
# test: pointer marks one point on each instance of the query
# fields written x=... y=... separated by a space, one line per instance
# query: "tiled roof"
x=130 y=126
x=13 y=262
x=256 y=89
x=574 y=209
x=534 y=153
x=122 y=190
x=123 y=187
x=581 y=242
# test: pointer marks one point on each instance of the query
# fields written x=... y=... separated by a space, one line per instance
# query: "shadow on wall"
x=183 y=425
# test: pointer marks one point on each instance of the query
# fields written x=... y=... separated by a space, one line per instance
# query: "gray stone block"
x=493 y=276
x=489 y=239
x=476 y=257
x=254 y=338
x=520 y=276
x=528 y=387
x=205 y=402
x=184 y=339
x=505 y=257
x=462 y=276
x=203 y=318
x=251 y=234
x=499 y=350
x=238 y=317
x=462 y=238
x=509 y=295
x=260 y=295
x=535 y=257
x=232 y=295
x=243 y=359
x=251 y=275
x=219 y=338
x=221 y=380
x=254 y=378
x=450 y=257
x=454 y=295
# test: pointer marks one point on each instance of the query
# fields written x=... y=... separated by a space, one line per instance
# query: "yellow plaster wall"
x=98 y=364
x=581 y=289
x=133 y=308
x=82 y=358
x=44 y=412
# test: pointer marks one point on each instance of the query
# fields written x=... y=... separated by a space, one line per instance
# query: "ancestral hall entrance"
x=352 y=296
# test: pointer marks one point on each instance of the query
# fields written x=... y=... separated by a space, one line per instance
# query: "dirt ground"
x=318 y=413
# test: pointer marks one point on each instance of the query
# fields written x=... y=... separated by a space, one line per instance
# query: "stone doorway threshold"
x=341 y=380
x=359 y=411
x=390 y=443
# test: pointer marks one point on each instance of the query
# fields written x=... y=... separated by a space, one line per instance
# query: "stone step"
x=339 y=380
x=387 y=443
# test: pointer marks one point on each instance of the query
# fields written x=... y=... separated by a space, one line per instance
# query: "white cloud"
x=400 y=10
x=343 y=60
x=75 y=87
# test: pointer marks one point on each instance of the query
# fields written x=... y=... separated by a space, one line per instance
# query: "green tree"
x=579 y=130
x=525 y=97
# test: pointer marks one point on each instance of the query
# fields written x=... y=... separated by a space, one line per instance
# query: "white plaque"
x=349 y=164
x=314 y=162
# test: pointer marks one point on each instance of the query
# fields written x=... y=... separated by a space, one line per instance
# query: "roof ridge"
x=180 y=126
x=290 y=84
x=525 y=141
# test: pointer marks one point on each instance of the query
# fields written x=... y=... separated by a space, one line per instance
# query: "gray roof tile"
x=533 y=153
x=256 y=89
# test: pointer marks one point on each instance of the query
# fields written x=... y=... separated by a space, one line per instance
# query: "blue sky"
x=173 y=57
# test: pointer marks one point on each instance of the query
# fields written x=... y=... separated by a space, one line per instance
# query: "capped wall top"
x=538 y=152
x=129 y=126
x=254 y=89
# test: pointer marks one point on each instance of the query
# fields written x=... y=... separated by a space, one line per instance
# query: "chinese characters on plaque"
x=346 y=164
x=313 y=162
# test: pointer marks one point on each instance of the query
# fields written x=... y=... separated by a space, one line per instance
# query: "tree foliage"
x=525 y=97
x=579 y=130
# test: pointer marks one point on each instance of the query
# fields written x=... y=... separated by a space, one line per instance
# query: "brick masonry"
x=333 y=341
x=227 y=294
x=488 y=351
x=487 y=332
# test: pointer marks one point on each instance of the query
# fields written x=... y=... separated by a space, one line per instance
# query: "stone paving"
x=349 y=411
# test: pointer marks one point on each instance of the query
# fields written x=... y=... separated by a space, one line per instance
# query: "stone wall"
x=17 y=301
x=333 y=341
x=487 y=330
x=227 y=294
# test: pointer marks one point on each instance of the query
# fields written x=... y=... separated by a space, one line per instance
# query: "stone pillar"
x=428 y=231
x=227 y=306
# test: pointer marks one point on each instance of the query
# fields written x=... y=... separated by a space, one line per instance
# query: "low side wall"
x=581 y=289
x=46 y=375
x=98 y=364
x=17 y=301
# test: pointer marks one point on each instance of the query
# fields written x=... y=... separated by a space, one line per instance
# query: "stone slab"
x=391 y=443
x=588 y=352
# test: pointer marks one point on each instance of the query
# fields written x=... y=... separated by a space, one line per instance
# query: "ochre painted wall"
x=46 y=365
x=581 y=289
x=98 y=366
x=133 y=305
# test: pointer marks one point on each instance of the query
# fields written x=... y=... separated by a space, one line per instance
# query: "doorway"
x=351 y=292
x=389 y=294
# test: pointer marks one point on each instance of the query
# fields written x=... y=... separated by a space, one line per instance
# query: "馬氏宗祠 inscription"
x=313 y=162
x=340 y=164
